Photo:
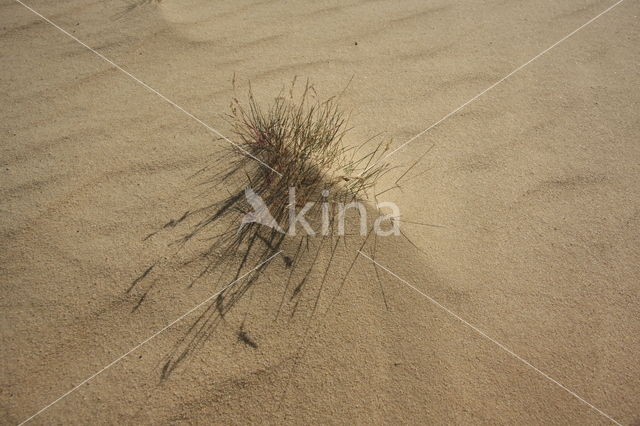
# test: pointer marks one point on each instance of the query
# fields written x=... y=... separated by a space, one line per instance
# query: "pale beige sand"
x=536 y=184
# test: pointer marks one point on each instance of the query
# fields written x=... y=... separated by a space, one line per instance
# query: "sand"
x=535 y=186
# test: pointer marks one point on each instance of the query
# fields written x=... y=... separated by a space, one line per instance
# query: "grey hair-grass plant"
x=300 y=141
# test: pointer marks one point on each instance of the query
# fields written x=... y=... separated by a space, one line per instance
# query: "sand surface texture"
x=535 y=186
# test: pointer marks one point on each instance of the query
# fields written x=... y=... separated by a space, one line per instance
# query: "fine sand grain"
x=535 y=188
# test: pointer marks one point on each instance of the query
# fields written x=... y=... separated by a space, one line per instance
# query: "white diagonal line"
x=494 y=341
x=146 y=86
x=455 y=111
x=121 y=357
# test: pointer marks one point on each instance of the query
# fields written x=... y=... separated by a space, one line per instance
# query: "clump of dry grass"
x=299 y=142
x=302 y=139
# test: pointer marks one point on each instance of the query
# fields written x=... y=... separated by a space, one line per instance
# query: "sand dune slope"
x=534 y=188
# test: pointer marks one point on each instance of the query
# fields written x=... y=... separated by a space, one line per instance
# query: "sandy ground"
x=536 y=185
